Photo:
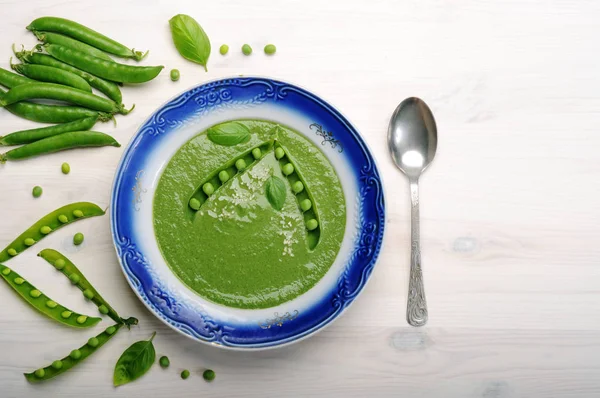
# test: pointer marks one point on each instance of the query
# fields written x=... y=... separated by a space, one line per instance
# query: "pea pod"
x=86 y=35
x=10 y=80
x=64 y=265
x=110 y=89
x=28 y=136
x=58 y=218
x=105 y=69
x=304 y=198
x=62 y=40
x=43 y=303
x=61 y=93
x=48 y=74
x=75 y=357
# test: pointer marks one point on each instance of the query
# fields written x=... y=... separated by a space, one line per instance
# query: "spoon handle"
x=416 y=310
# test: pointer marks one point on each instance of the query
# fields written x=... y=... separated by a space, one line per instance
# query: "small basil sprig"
x=276 y=192
x=229 y=134
x=190 y=39
x=134 y=362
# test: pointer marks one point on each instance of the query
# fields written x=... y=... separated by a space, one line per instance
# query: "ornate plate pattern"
x=182 y=118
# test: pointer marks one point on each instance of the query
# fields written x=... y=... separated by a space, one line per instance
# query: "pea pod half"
x=113 y=71
x=86 y=35
x=75 y=357
x=43 y=303
x=48 y=224
x=64 y=265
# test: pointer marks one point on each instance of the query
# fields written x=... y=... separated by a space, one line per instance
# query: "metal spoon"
x=412 y=140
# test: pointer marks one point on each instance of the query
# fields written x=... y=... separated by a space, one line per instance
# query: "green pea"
x=29 y=242
x=78 y=213
x=63 y=219
x=246 y=49
x=51 y=304
x=74 y=278
x=45 y=230
x=40 y=373
x=256 y=153
x=287 y=169
x=78 y=239
x=279 y=153
x=209 y=375
x=88 y=294
x=11 y=252
x=66 y=314
x=224 y=49
x=175 y=74
x=208 y=188
x=164 y=362
x=65 y=168
x=57 y=364
x=194 y=203
x=103 y=309
x=93 y=342
x=223 y=175
x=312 y=224
x=305 y=205
x=270 y=49
x=37 y=191
x=110 y=330
x=35 y=293
x=59 y=264
x=19 y=281
x=185 y=374
x=6 y=271
x=81 y=319
x=75 y=354
x=240 y=164
x=298 y=187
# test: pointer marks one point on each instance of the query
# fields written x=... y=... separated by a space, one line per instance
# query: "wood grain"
x=510 y=219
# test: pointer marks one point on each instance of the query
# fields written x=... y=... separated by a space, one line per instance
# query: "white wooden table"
x=510 y=213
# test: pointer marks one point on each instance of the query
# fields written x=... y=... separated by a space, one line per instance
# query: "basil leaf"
x=229 y=134
x=190 y=39
x=276 y=192
x=134 y=362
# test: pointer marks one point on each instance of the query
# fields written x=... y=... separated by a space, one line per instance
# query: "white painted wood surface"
x=510 y=214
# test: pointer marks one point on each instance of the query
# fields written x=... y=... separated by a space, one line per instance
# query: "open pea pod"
x=74 y=358
x=43 y=303
x=64 y=265
x=48 y=224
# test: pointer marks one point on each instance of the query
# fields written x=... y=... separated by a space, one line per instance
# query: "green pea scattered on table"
x=37 y=191
x=164 y=362
x=209 y=375
x=78 y=239
x=175 y=75
x=185 y=374
x=65 y=168
x=224 y=49
x=246 y=49
x=270 y=49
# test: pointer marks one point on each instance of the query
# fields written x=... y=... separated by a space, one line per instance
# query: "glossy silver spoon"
x=412 y=140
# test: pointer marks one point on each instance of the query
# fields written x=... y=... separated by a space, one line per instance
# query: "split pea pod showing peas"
x=75 y=357
x=113 y=71
x=86 y=35
x=58 y=92
x=49 y=223
x=29 y=136
x=49 y=74
x=110 y=89
x=42 y=113
x=43 y=303
x=62 y=40
x=64 y=265
x=61 y=142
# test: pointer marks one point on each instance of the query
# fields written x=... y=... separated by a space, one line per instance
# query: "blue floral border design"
x=189 y=318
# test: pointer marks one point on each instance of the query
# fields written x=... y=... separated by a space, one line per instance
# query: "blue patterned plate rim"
x=210 y=103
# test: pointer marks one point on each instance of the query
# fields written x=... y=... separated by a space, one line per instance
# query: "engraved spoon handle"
x=416 y=310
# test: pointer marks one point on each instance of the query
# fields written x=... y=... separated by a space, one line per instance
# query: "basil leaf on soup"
x=276 y=192
x=190 y=39
x=134 y=362
x=229 y=134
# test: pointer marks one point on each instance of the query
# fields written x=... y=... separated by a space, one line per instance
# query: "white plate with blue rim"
x=180 y=120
